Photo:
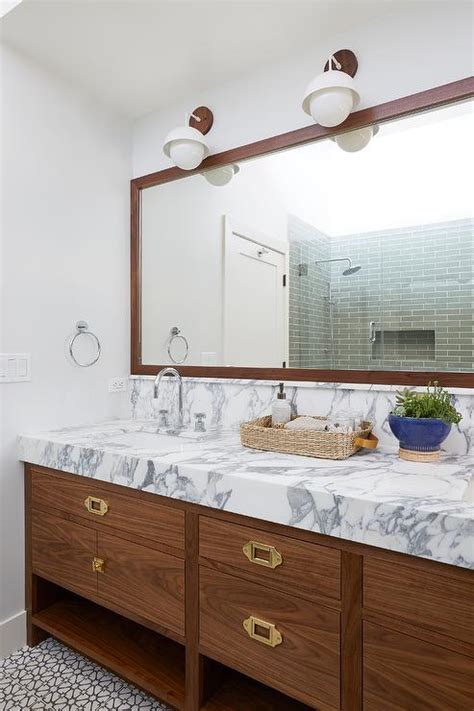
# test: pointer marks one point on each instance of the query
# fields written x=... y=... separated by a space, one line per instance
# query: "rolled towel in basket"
x=338 y=427
x=306 y=423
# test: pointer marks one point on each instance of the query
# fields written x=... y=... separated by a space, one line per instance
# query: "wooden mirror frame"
x=439 y=96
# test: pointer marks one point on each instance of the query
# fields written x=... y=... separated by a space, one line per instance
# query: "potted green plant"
x=421 y=421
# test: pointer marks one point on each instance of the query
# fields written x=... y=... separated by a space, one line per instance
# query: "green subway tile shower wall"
x=415 y=285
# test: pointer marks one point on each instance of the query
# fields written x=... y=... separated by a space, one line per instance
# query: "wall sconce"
x=331 y=96
x=354 y=141
x=221 y=176
x=185 y=145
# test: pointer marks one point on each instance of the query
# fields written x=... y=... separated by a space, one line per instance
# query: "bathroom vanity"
x=226 y=579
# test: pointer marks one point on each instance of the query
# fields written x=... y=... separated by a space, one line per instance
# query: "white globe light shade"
x=354 y=141
x=186 y=154
x=331 y=107
x=221 y=176
x=186 y=147
x=330 y=98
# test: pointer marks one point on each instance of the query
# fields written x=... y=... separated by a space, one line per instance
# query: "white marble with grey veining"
x=227 y=403
x=425 y=510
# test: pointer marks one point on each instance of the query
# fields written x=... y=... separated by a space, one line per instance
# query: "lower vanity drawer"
x=402 y=673
x=285 y=642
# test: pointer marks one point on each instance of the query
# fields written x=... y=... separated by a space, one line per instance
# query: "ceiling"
x=139 y=55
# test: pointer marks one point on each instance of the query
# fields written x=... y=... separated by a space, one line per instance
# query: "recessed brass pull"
x=261 y=631
x=98 y=565
x=261 y=554
x=96 y=506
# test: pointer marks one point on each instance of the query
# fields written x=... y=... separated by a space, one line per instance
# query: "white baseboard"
x=12 y=634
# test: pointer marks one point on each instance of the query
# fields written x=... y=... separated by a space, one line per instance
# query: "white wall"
x=406 y=50
x=64 y=228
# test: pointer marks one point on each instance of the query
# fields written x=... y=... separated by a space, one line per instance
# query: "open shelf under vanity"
x=145 y=658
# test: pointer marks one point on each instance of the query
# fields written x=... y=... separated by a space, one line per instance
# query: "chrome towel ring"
x=175 y=333
x=83 y=330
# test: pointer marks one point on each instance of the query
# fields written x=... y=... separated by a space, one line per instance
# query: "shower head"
x=351 y=270
x=347 y=272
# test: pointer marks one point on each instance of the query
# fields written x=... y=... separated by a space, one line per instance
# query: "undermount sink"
x=162 y=440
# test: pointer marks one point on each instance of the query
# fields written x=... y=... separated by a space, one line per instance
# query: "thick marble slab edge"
x=372 y=498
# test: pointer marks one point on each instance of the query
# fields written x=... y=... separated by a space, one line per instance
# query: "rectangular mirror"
x=317 y=256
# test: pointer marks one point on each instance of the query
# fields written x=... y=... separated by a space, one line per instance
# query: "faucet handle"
x=163 y=418
x=199 y=423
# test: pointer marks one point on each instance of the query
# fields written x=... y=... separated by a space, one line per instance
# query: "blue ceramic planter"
x=419 y=434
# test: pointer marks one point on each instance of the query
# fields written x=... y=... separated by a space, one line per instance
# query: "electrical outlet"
x=117 y=385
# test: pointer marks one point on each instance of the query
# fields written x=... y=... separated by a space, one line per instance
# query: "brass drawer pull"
x=98 y=565
x=96 y=506
x=262 y=554
x=261 y=631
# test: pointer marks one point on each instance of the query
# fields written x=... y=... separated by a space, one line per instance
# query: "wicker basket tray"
x=259 y=434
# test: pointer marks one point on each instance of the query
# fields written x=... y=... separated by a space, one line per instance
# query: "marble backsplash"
x=227 y=403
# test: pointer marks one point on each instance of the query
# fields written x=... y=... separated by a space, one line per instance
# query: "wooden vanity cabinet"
x=80 y=548
x=211 y=611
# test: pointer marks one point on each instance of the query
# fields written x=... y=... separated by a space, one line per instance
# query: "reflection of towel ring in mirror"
x=83 y=330
x=174 y=334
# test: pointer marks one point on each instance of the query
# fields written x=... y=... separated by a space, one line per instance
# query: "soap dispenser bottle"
x=281 y=410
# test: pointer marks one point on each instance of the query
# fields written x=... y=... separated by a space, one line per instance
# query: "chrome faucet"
x=171 y=372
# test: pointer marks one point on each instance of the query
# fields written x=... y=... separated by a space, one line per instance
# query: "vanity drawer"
x=102 y=504
x=304 y=661
x=401 y=673
x=281 y=562
x=425 y=599
x=142 y=580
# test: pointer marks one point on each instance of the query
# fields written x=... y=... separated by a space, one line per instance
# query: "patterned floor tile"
x=14 y=697
x=53 y=677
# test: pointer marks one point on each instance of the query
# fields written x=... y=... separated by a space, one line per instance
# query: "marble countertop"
x=425 y=510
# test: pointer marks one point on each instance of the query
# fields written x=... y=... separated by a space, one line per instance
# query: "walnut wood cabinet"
x=219 y=612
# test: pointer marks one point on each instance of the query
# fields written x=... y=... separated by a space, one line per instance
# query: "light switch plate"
x=15 y=367
x=118 y=385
